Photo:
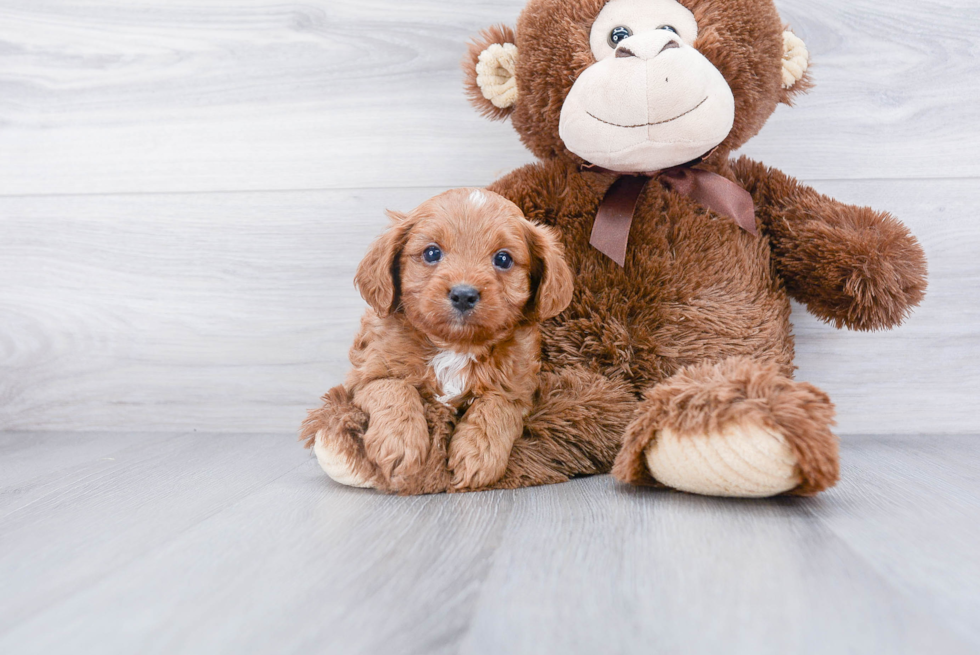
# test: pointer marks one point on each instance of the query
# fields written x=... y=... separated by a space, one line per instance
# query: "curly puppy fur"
x=416 y=349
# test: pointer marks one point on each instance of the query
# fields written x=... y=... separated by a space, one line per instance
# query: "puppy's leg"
x=397 y=438
x=480 y=446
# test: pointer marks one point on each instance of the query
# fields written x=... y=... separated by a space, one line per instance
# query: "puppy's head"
x=466 y=267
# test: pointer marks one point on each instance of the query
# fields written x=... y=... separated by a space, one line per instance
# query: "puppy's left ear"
x=378 y=278
x=551 y=278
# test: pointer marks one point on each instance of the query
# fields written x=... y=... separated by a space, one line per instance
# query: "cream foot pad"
x=337 y=465
x=747 y=462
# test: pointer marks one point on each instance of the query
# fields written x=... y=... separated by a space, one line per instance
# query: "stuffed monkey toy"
x=673 y=364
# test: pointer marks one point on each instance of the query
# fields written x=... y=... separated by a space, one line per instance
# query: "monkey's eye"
x=669 y=28
x=432 y=254
x=503 y=260
x=618 y=35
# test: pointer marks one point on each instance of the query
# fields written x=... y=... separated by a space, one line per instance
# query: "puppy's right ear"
x=490 y=67
x=551 y=278
x=377 y=276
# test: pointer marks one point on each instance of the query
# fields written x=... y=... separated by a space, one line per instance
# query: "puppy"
x=456 y=291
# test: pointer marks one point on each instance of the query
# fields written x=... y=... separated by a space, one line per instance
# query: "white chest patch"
x=452 y=373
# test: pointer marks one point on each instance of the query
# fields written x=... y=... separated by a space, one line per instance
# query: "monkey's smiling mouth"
x=651 y=124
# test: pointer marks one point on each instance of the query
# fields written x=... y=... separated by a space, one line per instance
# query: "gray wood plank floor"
x=180 y=543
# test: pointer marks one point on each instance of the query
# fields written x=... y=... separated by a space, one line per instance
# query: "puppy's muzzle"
x=464 y=297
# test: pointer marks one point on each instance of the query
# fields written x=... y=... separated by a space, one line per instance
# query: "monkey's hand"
x=851 y=266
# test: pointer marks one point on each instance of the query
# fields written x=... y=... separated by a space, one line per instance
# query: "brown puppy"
x=457 y=289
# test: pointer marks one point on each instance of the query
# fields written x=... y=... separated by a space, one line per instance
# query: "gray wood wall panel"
x=101 y=96
x=186 y=188
x=235 y=311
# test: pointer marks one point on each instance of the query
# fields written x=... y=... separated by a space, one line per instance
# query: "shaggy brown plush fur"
x=853 y=267
x=696 y=326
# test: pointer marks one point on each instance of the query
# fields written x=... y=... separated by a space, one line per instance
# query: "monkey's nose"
x=648 y=46
x=464 y=297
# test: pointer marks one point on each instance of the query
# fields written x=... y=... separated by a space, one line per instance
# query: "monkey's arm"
x=851 y=266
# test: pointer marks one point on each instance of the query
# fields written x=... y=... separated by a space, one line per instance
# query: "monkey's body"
x=708 y=290
x=676 y=369
x=699 y=292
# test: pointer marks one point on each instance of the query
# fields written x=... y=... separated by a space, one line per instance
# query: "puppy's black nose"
x=464 y=297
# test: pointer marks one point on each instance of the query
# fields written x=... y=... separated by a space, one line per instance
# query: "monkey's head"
x=637 y=85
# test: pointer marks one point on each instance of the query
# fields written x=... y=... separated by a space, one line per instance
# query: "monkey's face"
x=637 y=85
x=651 y=100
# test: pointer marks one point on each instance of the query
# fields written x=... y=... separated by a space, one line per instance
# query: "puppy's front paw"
x=398 y=447
x=475 y=459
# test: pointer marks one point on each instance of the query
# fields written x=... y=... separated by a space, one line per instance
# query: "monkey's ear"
x=490 y=67
x=377 y=276
x=796 y=61
x=552 y=282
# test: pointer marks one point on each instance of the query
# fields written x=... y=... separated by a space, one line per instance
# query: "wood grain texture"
x=109 y=97
x=234 y=312
x=227 y=544
x=674 y=573
x=35 y=464
x=97 y=514
x=919 y=529
x=204 y=561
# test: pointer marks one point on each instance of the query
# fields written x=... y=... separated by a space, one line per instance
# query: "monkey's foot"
x=735 y=428
x=335 y=431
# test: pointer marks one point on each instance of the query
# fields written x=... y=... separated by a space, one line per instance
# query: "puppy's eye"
x=618 y=35
x=503 y=260
x=669 y=28
x=432 y=255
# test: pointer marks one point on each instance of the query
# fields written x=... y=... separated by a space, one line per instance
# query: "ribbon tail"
x=611 y=229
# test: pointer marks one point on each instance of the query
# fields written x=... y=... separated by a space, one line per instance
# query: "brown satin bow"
x=611 y=230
